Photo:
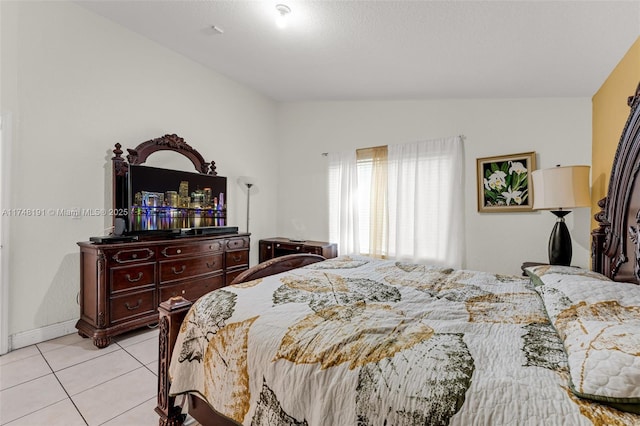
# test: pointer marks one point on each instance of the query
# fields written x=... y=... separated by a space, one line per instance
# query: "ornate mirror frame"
x=139 y=155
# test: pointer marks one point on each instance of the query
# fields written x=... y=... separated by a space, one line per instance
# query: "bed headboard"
x=615 y=250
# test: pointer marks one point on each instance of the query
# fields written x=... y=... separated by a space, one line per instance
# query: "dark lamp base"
x=560 y=250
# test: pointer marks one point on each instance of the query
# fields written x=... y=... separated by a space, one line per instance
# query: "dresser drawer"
x=238 y=243
x=133 y=255
x=191 y=249
x=129 y=277
x=192 y=289
x=293 y=247
x=121 y=283
x=179 y=269
x=131 y=306
x=236 y=258
x=232 y=275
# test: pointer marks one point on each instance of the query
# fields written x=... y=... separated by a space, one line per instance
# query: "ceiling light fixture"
x=283 y=10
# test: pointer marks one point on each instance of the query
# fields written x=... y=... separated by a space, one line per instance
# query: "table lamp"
x=558 y=189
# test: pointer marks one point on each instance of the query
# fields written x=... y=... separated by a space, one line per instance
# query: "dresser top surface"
x=146 y=242
x=292 y=241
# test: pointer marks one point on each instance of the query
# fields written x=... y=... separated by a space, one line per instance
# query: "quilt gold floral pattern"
x=599 y=323
x=357 y=341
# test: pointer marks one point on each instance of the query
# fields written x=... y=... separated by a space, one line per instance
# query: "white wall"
x=559 y=130
x=75 y=84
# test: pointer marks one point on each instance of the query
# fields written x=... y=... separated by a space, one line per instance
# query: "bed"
x=361 y=341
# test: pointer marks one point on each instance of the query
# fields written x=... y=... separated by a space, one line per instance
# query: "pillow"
x=569 y=272
x=599 y=323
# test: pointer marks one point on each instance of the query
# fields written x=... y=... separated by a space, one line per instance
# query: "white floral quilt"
x=356 y=341
x=599 y=323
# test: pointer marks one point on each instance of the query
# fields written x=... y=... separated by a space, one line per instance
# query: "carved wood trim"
x=101 y=341
x=598 y=236
x=100 y=279
x=139 y=155
x=276 y=266
x=172 y=313
x=134 y=257
x=634 y=236
x=609 y=245
x=120 y=167
x=633 y=101
x=163 y=356
x=174 y=143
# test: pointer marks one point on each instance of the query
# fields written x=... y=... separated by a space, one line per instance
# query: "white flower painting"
x=504 y=182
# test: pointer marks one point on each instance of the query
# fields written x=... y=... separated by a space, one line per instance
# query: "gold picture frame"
x=504 y=182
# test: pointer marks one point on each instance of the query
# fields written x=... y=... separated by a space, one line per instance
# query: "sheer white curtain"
x=415 y=198
x=343 y=202
x=373 y=211
x=426 y=196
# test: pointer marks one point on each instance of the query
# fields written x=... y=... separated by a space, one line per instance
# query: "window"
x=373 y=211
x=401 y=201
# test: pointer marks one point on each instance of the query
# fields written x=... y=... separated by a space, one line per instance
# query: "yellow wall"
x=610 y=113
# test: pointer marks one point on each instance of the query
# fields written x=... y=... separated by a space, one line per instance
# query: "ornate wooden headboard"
x=616 y=242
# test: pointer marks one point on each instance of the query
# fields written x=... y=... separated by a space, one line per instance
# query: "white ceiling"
x=343 y=50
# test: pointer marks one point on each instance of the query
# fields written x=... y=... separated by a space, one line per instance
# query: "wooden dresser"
x=122 y=284
x=276 y=247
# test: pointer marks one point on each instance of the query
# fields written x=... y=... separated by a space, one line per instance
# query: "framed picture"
x=504 y=182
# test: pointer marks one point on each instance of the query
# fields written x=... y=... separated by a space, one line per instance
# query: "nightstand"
x=276 y=247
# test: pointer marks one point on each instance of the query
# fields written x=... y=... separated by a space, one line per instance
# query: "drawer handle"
x=133 y=308
x=268 y=247
x=125 y=256
x=237 y=258
x=211 y=265
x=277 y=245
x=175 y=271
x=133 y=280
x=178 y=251
x=298 y=248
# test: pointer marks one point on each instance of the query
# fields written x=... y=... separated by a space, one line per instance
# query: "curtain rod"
x=324 y=154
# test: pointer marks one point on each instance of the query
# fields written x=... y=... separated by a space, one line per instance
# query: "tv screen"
x=173 y=200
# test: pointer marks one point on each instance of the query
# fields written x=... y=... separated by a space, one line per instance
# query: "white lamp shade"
x=561 y=188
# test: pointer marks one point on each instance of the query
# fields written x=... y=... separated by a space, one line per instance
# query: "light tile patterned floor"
x=68 y=381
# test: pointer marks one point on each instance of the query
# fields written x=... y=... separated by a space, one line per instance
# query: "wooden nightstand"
x=276 y=247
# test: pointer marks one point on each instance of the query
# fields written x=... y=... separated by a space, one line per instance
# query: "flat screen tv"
x=173 y=201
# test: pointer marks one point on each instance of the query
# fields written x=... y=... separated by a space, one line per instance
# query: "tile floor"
x=70 y=382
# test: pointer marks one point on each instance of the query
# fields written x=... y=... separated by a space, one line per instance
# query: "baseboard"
x=39 y=335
